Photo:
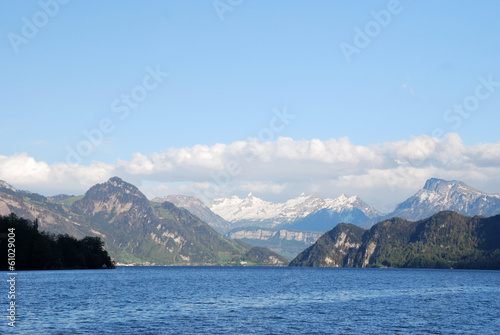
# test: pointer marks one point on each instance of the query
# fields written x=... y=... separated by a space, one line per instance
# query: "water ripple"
x=212 y=300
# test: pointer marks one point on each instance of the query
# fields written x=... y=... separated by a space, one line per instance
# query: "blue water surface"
x=238 y=300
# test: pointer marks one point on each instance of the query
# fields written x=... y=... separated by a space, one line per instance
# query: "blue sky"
x=228 y=74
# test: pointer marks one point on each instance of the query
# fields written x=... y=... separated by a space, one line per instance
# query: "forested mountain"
x=444 y=240
x=196 y=207
x=135 y=230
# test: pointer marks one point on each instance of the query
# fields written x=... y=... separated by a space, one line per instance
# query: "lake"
x=255 y=300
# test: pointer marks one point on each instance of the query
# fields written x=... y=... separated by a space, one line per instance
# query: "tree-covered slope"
x=444 y=240
x=52 y=216
x=34 y=250
x=332 y=248
x=135 y=230
x=142 y=232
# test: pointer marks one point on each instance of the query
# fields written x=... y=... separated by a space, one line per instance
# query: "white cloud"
x=382 y=174
x=20 y=167
x=24 y=172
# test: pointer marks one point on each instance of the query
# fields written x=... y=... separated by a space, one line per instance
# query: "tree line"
x=31 y=249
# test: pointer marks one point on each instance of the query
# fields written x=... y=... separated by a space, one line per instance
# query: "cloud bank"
x=382 y=174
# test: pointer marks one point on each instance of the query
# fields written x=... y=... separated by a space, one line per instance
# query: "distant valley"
x=286 y=228
x=288 y=243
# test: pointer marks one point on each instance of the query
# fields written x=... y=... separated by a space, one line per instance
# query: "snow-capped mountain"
x=196 y=207
x=345 y=204
x=439 y=195
x=255 y=211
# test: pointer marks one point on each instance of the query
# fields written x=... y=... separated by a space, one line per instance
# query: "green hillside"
x=445 y=240
x=134 y=230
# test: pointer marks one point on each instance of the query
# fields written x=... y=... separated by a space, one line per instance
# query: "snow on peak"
x=438 y=195
x=342 y=202
x=253 y=209
x=447 y=189
x=444 y=187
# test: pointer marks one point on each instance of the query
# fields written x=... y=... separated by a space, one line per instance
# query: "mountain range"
x=135 y=230
x=253 y=211
x=252 y=217
x=313 y=213
x=180 y=229
x=445 y=240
